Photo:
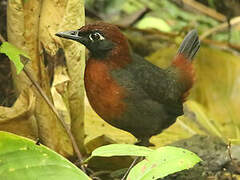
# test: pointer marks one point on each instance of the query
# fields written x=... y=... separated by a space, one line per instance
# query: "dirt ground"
x=216 y=164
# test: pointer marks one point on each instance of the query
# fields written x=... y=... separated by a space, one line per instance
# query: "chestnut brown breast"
x=104 y=94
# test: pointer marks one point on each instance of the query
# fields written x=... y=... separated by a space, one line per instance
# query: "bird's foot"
x=144 y=142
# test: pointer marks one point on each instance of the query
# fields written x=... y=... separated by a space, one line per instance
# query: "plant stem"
x=50 y=104
x=133 y=163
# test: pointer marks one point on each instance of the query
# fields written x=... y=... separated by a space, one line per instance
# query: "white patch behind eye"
x=96 y=36
x=101 y=37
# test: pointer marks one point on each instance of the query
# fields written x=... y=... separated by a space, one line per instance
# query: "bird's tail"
x=184 y=57
x=190 y=45
x=187 y=51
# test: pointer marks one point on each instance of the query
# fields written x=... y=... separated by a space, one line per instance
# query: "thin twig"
x=98 y=173
x=132 y=18
x=234 y=22
x=230 y=156
x=133 y=163
x=192 y=4
x=54 y=110
x=235 y=49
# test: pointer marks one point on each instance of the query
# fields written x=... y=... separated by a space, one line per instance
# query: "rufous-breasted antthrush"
x=129 y=92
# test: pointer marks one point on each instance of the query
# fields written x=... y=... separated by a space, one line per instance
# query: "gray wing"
x=147 y=81
x=152 y=113
x=160 y=84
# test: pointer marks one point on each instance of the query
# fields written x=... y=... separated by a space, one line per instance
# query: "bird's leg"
x=144 y=141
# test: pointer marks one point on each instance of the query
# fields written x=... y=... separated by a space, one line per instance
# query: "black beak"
x=69 y=35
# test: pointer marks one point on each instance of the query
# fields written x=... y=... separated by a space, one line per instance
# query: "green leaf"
x=152 y=22
x=21 y=158
x=162 y=162
x=13 y=54
x=121 y=150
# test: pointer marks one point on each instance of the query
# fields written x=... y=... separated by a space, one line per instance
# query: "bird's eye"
x=96 y=36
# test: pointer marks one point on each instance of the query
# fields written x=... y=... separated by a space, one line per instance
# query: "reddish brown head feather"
x=110 y=31
x=186 y=73
x=120 y=54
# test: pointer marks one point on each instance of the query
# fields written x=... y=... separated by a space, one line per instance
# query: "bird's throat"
x=99 y=55
x=103 y=92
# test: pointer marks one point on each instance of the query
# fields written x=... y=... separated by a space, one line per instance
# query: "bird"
x=129 y=92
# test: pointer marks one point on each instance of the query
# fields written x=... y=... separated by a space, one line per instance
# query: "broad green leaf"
x=121 y=150
x=13 y=54
x=22 y=159
x=162 y=162
x=152 y=22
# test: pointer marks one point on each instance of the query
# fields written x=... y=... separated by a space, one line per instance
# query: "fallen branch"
x=226 y=46
x=234 y=22
x=191 y=4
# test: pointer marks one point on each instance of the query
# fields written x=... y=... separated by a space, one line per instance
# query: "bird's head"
x=100 y=38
